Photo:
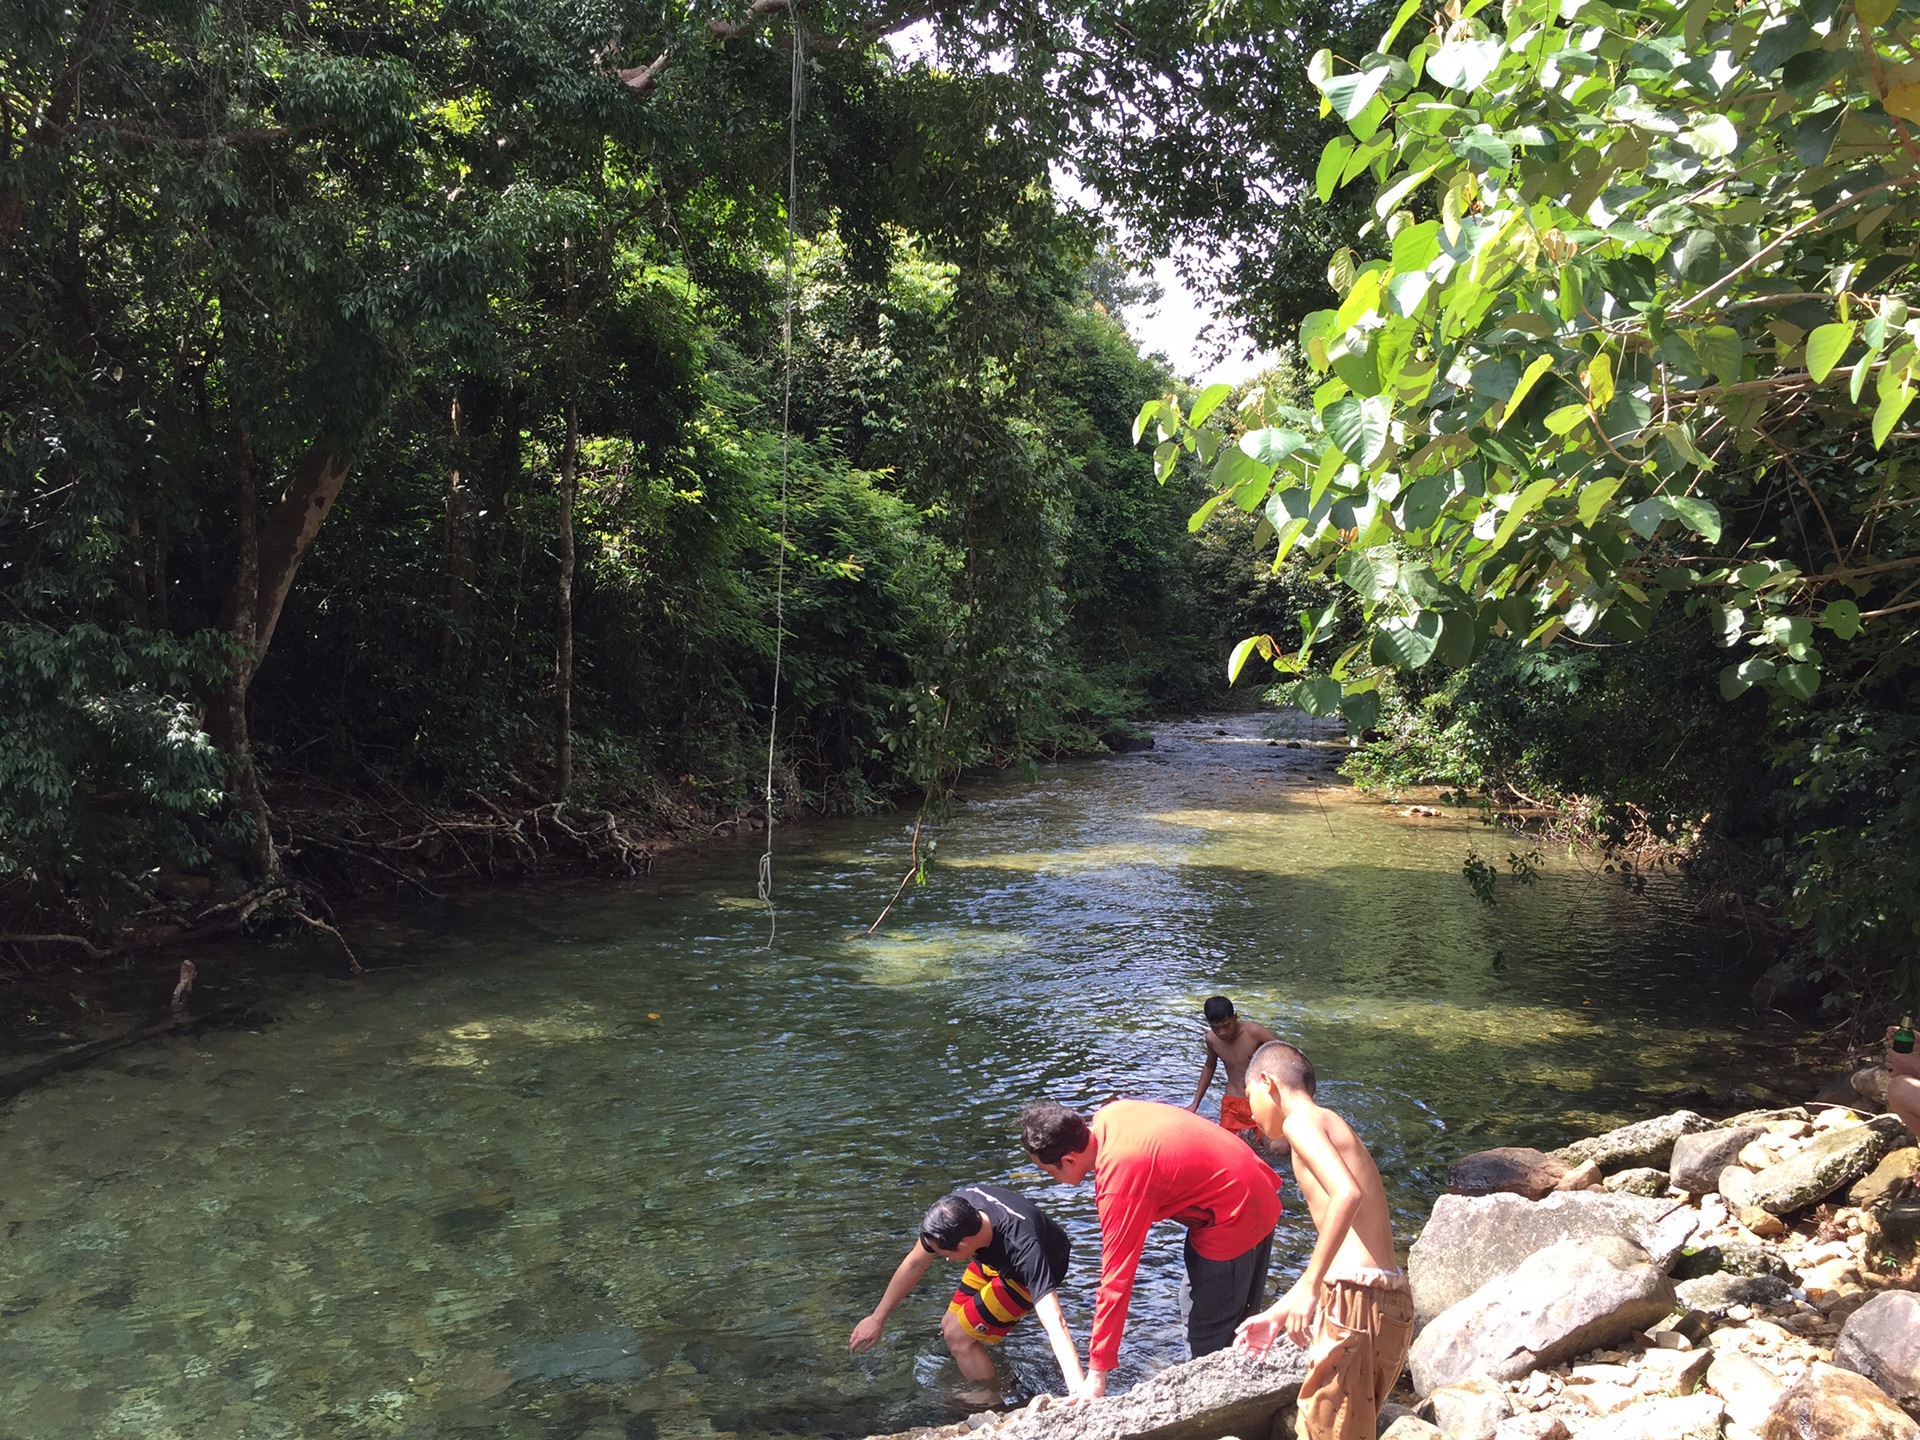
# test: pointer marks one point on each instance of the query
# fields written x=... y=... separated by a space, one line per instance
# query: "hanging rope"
x=796 y=98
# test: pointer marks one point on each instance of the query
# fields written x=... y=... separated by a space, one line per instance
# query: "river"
x=600 y=1161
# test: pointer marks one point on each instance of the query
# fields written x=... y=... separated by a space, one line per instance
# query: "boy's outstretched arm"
x=1293 y=1312
x=905 y=1276
x=1206 y=1079
x=1047 y=1308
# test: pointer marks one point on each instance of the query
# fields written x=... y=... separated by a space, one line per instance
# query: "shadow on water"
x=598 y=1162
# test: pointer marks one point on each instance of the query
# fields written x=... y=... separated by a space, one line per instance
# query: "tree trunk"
x=563 y=666
x=457 y=549
x=269 y=557
x=228 y=720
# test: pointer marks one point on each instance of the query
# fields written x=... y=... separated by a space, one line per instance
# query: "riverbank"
x=1751 y=1278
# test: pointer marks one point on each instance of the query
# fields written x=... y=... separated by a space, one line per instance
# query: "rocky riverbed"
x=1684 y=1278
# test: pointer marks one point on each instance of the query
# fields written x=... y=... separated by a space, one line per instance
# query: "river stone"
x=1699 y=1158
x=1538 y=1426
x=1749 y=1388
x=1650 y=1142
x=1829 y=1163
x=1471 y=1409
x=1881 y=1340
x=1411 y=1427
x=593 y=1357
x=1717 y=1294
x=1640 y=1180
x=1900 y=1223
x=1470 y=1241
x=1870 y=1083
x=1832 y=1404
x=1733 y=1258
x=1736 y=1187
x=1683 y=1417
x=1567 y=1299
x=1510 y=1170
x=1225 y=1393
x=1888 y=1181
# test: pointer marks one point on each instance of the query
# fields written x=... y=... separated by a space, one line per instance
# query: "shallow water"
x=601 y=1162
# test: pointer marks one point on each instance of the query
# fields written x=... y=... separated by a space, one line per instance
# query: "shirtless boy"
x=1353 y=1284
x=1016 y=1257
x=1233 y=1040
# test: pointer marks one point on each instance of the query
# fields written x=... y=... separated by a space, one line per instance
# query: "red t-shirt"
x=1160 y=1162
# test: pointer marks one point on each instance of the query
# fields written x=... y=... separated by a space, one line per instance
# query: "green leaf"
x=1390 y=198
x=1359 y=427
x=1595 y=497
x=1737 y=679
x=1204 y=513
x=1483 y=150
x=1539 y=367
x=1238 y=660
x=1700 y=516
x=1360 y=709
x=1318 y=695
x=1149 y=412
x=1407 y=642
x=1349 y=94
x=1465 y=64
x=1720 y=350
x=1842 y=617
x=1563 y=420
x=1522 y=506
x=1459 y=635
x=1333 y=159
x=1799 y=681
x=1272 y=445
x=1896 y=393
x=1600 y=380
x=1645 y=517
x=1405 y=292
x=1207 y=402
x=1826 y=345
x=1420 y=504
x=1712 y=137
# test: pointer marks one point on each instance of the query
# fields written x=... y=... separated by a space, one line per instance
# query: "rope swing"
x=796 y=98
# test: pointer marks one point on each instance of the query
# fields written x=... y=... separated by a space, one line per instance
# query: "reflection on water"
x=607 y=1166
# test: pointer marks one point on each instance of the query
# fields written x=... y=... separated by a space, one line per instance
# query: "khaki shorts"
x=1360 y=1342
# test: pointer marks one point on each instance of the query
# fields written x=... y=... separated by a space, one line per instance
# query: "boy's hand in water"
x=867 y=1333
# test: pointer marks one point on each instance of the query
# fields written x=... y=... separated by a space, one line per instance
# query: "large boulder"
x=1509 y=1170
x=1881 y=1340
x=1832 y=1404
x=1699 y=1158
x=1226 y=1393
x=1468 y=1242
x=1829 y=1163
x=1650 y=1142
x=1684 y=1417
x=1571 y=1297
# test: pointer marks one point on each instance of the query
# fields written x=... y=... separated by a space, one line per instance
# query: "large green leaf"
x=1318 y=695
x=1359 y=427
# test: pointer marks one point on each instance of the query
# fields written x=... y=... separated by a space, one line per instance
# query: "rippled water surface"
x=600 y=1162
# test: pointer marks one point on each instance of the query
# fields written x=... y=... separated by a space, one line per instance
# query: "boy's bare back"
x=1368 y=1243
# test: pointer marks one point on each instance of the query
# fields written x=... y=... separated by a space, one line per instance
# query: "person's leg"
x=1219 y=1294
x=1903 y=1099
x=968 y=1353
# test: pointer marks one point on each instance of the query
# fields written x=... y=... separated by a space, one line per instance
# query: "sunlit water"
x=601 y=1162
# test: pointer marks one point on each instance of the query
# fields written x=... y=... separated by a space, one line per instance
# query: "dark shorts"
x=989 y=1304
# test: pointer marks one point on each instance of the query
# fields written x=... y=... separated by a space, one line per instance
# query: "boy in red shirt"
x=1159 y=1162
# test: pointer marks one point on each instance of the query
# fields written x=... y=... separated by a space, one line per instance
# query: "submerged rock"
x=605 y=1357
x=1650 y=1142
x=1569 y=1298
x=1470 y=1241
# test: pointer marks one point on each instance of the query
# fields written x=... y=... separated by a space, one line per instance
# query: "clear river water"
x=601 y=1162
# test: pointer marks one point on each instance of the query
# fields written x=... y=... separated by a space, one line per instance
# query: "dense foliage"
x=1636 y=362
x=391 y=412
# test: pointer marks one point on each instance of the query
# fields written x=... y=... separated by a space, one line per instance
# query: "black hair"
x=1285 y=1064
x=1217 y=1009
x=1050 y=1131
x=951 y=1220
